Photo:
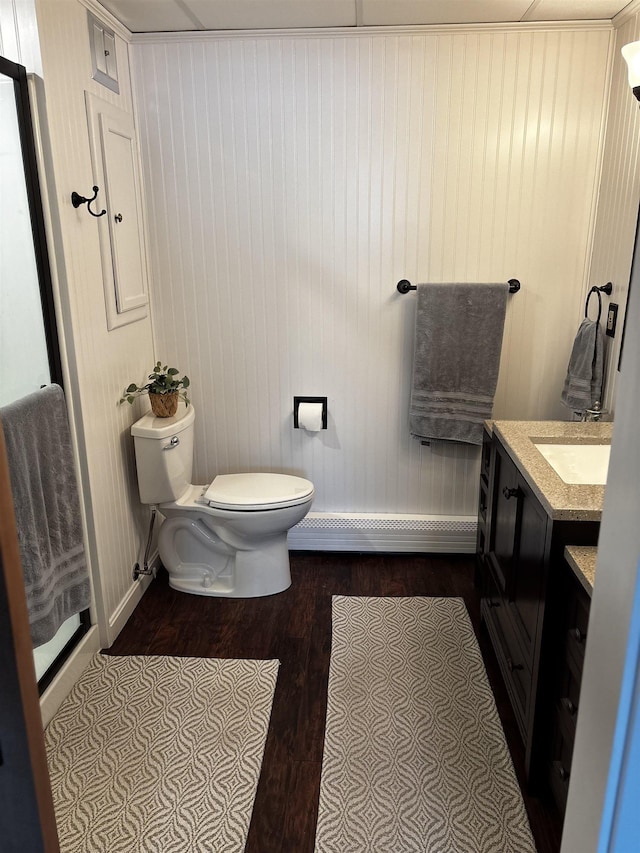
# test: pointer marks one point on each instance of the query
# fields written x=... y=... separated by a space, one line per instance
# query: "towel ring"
x=606 y=288
x=586 y=306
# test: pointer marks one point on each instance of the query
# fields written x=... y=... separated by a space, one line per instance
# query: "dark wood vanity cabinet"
x=567 y=677
x=513 y=583
x=520 y=550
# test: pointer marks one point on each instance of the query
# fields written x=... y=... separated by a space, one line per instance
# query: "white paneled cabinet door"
x=114 y=152
x=123 y=210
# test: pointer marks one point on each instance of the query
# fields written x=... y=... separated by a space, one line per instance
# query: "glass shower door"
x=24 y=361
x=29 y=351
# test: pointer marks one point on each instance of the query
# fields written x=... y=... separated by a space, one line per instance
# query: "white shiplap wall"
x=18 y=34
x=292 y=180
x=101 y=363
x=618 y=201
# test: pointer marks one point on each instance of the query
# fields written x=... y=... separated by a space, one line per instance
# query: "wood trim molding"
x=186 y=36
x=11 y=577
x=625 y=14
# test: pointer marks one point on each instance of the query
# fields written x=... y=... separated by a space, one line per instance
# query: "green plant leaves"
x=162 y=380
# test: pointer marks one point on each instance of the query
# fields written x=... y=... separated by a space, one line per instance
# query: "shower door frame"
x=27 y=143
x=18 y=74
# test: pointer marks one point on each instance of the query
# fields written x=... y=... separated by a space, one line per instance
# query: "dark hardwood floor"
x=295 y=627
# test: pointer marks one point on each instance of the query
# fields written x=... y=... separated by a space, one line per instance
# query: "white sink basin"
x=584 y=464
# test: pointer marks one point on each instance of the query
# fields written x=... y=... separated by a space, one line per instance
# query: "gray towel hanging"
x=458 y=341
x=47 y=508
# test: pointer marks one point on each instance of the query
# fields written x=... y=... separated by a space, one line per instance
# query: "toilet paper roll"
x=310 y=416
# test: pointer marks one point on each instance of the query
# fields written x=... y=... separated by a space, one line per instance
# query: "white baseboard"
x=70 y=672
x=383 y=532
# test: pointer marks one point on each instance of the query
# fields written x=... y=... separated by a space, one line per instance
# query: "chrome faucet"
x=593 y=414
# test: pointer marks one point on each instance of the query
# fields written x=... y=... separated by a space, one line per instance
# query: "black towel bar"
x=405 y=286
x=606 y=288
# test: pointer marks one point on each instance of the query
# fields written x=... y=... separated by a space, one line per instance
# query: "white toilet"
x=226 y=539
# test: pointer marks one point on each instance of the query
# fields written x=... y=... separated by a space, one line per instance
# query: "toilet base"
x=194 y=587
x=227 y=573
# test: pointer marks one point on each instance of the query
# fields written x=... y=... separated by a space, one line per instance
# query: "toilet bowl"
x=226 y=539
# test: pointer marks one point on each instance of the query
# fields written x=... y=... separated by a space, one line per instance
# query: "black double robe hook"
x=77 y=200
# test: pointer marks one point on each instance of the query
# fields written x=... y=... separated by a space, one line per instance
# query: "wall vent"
x=385 y=533
x=103 y=54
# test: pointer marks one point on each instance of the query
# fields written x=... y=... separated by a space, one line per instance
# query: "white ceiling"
x=144 y=16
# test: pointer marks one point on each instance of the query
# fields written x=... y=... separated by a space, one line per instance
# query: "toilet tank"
x=164 y=455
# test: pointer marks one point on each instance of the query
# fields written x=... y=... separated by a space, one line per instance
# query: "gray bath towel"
x=583 y=383
x=47 y=508
x=459 y=329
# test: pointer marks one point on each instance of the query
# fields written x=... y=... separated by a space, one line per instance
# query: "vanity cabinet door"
x=526 y=585
x=505 y=519
x=484 y=515
x=514 y=586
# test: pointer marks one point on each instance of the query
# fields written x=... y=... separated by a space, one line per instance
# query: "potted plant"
x=164 y=389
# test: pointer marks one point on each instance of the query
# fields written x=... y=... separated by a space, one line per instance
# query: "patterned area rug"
x=160 y=754
x=415 y=758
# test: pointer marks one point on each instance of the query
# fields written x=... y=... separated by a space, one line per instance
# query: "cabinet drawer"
x=559 y=767
x=515 y=672
x=568 y=699
x=576 y=626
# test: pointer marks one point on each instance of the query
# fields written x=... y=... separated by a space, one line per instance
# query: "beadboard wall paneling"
x=618 y=203
x=18 y=34
x=9 y=37
x=101 y=362
x=293 y=180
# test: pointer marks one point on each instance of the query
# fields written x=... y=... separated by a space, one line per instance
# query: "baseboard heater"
x=443 y=534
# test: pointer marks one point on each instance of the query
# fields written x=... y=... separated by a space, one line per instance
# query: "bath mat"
x=415 y=758
x=160 y=754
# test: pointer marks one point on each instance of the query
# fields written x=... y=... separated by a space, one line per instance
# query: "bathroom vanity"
x=534 y=604
x=576 y=585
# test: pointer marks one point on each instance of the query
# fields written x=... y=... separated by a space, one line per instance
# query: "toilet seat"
x=246 y=492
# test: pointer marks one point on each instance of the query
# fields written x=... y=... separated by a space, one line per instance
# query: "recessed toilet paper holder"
x=296 y=404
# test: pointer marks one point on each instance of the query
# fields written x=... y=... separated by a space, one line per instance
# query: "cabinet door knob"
x=563 y=773
x=491 y=603
x=510 y=493
x=513 y=667
x=578 y=635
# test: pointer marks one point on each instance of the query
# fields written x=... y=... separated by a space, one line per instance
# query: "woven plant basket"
x=164 y=405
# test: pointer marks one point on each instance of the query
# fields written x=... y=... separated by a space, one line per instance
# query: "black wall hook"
x=77 y=200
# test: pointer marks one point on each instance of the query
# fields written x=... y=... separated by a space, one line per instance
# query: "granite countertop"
x=582 y=559
x=561 y=500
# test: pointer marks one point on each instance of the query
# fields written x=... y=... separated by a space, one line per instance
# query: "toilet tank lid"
x=252 y=491
x=151 y=427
